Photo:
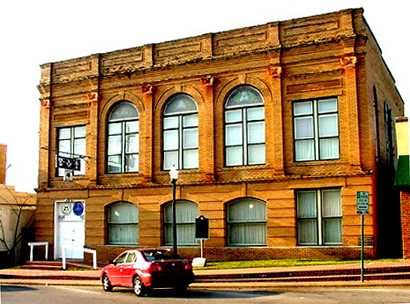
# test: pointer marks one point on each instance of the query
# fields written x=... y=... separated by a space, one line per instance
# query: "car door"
x=116 y=271
x=128 y=269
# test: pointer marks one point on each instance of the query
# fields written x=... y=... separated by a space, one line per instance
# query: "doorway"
x=69 y=229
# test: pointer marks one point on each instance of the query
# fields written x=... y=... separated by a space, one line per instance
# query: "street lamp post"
x=173 y=174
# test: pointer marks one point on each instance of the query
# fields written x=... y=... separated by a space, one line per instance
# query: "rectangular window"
x=71 y=142
x=180 y=142
x=319 y=217
x=316 y=129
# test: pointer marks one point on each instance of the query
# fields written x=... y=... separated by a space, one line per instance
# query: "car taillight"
x=188 y=266
x=154 y=267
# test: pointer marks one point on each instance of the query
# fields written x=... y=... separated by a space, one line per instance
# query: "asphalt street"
x=89 y=295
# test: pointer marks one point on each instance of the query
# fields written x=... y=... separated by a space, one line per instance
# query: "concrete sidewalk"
x=22 y=276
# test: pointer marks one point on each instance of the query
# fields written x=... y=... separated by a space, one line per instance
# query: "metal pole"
x=362 y=248
x=202 y=248
x=174 y=217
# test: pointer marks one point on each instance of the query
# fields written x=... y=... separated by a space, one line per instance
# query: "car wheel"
x=106 y=283
x=139 y=288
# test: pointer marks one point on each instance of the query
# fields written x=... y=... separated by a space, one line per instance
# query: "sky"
x=42 y=31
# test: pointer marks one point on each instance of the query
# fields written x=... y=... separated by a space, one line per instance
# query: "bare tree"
x=17 y=214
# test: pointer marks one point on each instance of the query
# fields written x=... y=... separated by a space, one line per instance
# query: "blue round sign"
x=78 y=208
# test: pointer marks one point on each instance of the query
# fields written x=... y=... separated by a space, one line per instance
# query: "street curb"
x=222 y=286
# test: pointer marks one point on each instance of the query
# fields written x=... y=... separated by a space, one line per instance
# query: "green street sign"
x=362 y=202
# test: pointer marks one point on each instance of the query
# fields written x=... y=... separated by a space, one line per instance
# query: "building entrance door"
x=70 y=229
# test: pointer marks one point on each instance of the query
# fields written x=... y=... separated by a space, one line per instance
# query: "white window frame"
x=315 y=115
x=230 y=223
x=123 y=122
x=244 y=122
x=72 y=139
x=168 y=224
x=109 y=224
x=320 y=218
x=180 y=128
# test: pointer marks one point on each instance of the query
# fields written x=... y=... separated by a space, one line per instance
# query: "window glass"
x=316 y=120
x=186 y=213
x=180 y=133
x=190 y=120
x=307 y=232
x=114 y=128
x=328 y=125
x=114 y=163
x=319 y=228
x=244 y=96
x=244 y=127
x=131 y=143
x=64 y=133
x=233 y=116
x=304 y=127
x=327 y=105
x=123 y=138
x=114 y=144
x=171 y=140
x=332 y=231
x=191 y=159
x=171 y=122
x=158 y=255
x=123 y=111
x=79 y=132
x=71 y=142
x=256 y=154
x=180 y=103
x=255 y=113
x=190 y=138
x=305 y=150
x=306 y=204
x=65 y=147
x=131 y=257
x=331 y=203
x=131 y=163
x=256 y=132
x=234 y=156
x=303 y=108
x=121 y=258
x=246 y=223
x=170 y=159
x=132 y=126
x=79 y=146
x=329 y=148
x=233 y=135
x=122 y=223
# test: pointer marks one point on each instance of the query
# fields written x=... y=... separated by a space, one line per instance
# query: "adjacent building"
x=274 y=129
x=16 y=217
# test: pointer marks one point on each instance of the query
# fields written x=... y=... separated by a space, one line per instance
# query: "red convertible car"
x=144 y=269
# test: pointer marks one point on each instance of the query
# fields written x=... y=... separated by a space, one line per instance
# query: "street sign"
x=201 y=227
x=68 y=163
x=362 y=202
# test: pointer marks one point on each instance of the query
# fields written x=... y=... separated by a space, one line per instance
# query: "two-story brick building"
x=274 y=128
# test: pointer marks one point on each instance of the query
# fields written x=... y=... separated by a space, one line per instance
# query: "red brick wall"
x=293 y=65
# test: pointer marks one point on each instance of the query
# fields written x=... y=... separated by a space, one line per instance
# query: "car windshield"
x=158 y=255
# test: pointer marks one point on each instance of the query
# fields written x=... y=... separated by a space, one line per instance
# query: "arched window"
x=244 y=127
x=123 y=138
x=246 y=219
x=122 y=224
x=180 y=133
x=186 y=213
